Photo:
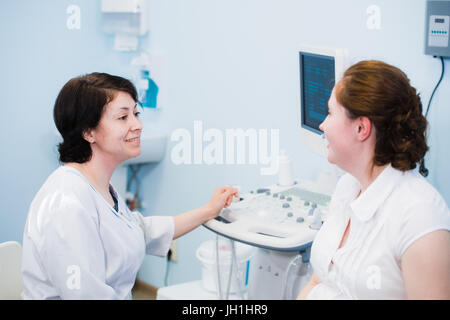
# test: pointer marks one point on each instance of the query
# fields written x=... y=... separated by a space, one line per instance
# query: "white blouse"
x=397 y=209
x=76 y=246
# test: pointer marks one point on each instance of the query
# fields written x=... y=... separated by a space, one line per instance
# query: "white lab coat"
x=76 y=246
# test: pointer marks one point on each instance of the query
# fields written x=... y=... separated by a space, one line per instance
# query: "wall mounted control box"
x=437 y=28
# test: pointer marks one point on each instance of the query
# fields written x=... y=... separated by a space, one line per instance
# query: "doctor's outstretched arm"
x=190 y=220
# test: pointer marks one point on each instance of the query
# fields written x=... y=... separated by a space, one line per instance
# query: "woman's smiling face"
x=340 y=133
x=117 y=135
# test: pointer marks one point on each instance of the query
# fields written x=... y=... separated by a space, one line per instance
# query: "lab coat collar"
x=365 y=206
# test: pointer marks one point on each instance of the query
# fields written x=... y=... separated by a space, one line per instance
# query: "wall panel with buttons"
x=437 y=28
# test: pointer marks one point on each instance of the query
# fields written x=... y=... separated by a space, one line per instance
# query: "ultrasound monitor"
x=319 y=70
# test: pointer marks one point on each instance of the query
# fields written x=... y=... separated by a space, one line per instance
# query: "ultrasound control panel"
x=283 y=218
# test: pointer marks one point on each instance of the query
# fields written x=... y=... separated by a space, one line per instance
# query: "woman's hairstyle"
x=79 y=107
x=383 y=93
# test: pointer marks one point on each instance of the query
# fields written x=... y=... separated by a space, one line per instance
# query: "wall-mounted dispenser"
x=126 y=20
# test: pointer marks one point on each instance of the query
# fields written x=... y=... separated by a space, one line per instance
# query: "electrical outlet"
x=173 y=248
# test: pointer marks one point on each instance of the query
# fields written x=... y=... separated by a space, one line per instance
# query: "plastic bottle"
x=285 y=170
x=149 y=91
x=147 y=88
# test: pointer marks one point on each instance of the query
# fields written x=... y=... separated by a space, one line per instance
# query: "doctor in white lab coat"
x=80 y=240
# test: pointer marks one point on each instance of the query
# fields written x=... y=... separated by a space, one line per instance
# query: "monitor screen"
x=317 y=78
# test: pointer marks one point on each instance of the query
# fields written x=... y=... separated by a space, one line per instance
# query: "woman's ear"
x=364 y=128
x=89 y=136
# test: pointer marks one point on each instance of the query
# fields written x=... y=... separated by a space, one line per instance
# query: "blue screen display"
x=316 y=83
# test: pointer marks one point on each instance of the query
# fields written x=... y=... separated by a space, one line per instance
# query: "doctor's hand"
x=221 y=198
x=190 y=220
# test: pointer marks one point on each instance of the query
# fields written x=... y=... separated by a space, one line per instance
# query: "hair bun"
x=383 y=93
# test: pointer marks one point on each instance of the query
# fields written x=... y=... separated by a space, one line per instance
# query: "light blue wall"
x=231 y=64
x=39 y=54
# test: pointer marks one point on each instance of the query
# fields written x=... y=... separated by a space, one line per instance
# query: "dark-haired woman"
x=387 y=236
x=81 y=241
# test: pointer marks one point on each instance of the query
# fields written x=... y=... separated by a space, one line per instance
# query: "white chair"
x=10 y=270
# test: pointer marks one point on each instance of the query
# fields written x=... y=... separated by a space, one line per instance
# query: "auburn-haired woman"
x=387 y=236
